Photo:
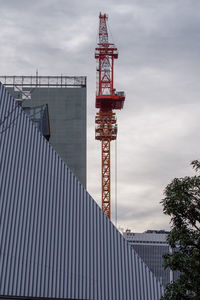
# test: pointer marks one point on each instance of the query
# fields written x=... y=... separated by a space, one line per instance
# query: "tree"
x=182 y=204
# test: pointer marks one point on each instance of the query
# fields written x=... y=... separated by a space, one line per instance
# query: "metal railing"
x=43 y=81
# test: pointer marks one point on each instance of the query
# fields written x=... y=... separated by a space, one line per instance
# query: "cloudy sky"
x=158 y=68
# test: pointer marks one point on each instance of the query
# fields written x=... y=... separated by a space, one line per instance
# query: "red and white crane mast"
x=107 y=100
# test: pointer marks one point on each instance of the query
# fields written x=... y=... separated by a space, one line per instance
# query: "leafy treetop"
x=182 y=204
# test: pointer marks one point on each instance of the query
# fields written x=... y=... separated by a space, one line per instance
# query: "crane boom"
x=107 y=100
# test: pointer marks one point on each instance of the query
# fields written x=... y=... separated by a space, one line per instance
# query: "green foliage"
x=182 y=204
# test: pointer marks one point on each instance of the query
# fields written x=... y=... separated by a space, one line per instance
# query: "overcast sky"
x=158 y=68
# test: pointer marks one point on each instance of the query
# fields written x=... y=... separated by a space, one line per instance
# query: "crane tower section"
x=107 y=100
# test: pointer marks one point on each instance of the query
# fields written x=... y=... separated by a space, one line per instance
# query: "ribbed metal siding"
x=55 y=240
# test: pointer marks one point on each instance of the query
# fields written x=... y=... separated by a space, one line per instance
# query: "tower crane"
x=107 y=100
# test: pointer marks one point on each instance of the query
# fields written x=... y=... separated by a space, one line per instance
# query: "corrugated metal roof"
x=55 y=241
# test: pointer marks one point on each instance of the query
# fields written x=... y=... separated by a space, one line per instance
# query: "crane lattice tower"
x=107 y=100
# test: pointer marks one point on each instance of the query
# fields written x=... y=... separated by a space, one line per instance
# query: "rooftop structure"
x=43 y=81
x=56 y=242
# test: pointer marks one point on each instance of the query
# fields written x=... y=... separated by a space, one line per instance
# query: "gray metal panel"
x=55 y=240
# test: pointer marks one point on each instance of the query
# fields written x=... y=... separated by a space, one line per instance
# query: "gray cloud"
x=158 y=68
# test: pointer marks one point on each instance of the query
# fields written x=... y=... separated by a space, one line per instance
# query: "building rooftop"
x=149 y=236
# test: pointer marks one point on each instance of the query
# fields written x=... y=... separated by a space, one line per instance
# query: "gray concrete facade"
x=67 y=115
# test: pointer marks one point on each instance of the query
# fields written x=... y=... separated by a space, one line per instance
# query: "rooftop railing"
x=43 y=81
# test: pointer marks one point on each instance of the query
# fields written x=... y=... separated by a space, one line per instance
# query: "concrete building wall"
x=67 y=114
